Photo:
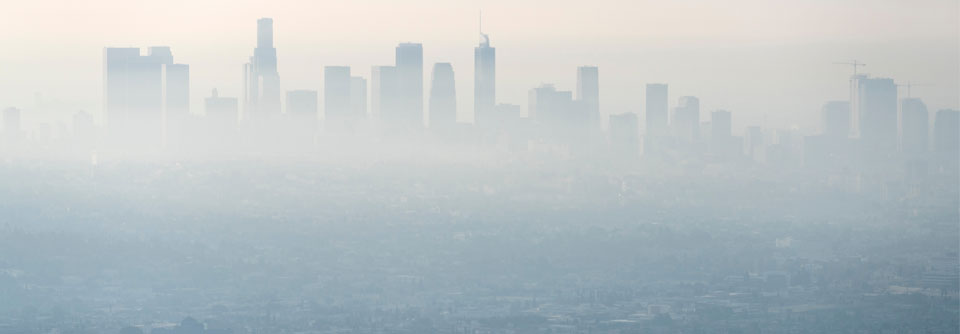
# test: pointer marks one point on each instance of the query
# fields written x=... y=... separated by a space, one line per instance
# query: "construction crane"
x=910 y=85
x=853 y=63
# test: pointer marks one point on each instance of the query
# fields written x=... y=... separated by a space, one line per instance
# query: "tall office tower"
x=835 y=119
x=261 y=94
x=336 y=98
x=384 y=88
x=409 y=62
x=223 y=116
x=159 y=55
x=558 y=115
x=721 y=125
x=588 y=91
x=134 y=94
x=753 y=143
x=686 y=119
x=625 y=135
x=657 y=118
x=946 y=132
x=914 y=127
x=302 y=112
x=484 y=80
x=358 y=97
x=443 y=97
x=176 y=79
x=855 y=104
x=546 y=104
x=877 y=114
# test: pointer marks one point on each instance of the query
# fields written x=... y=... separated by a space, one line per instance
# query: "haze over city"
x=753 y=57
x=241 y=167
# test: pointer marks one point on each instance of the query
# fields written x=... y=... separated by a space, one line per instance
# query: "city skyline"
x=420 y=166
x=146 y=103
x=662 y=60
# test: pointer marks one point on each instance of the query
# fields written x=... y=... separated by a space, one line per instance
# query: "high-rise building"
x=337 y=111
x=135 y=90
x=588 y=91
x=625 y=135
x=384 y=90
x=877 y=115
x=159 y=55
x=753 y=143
x=484 y=80
x=133 y=97
x=946 y=132
x=358 y=97
x=914 y=127
x=261 y=95
x=832 y=147
x=547 y=104
x=721 y=125
x=855 y=104
x=443 y=97
x=176 y=79
x=686 y=119
x=559 y=116
x=222 y=116
x=409 y=63
x=657 y=118
x=835 y=119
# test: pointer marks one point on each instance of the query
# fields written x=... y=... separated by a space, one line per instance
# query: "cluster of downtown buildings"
x=146 y=101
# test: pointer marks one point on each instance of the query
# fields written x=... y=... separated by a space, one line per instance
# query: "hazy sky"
x=767 y=61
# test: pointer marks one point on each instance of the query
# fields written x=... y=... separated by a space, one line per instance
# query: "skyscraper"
x=835 y=119
x=409 y=62
x=588 y=91
x=443 y=97
x=176 y=79
x=657 y=119
x=560 y=117
x=946 y=132
x=484 y=80
x=877 y=114
x=134 y=94
x=914 y=127
x=222 y=117
x=117 y=93
x=336 y=98
x=261 y=95
x=384 y=89
x=721 y=125
x=686 y=119
x=546 y=104
x=358 y=97
x=753 y=143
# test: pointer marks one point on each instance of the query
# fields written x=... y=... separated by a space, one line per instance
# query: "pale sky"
x=768 y=62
